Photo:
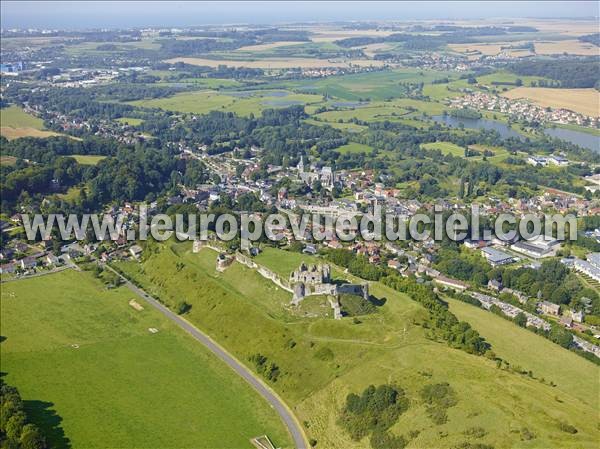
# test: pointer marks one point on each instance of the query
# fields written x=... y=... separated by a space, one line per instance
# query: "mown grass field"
x=388 y=346
x=130 y=121
x=445 y=148
x=87 y=159
x=120 y=386
x=354 y=147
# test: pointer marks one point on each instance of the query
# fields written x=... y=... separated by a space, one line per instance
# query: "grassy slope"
x=517 y=345
x=15 y=123
x=15 y=117
x=123 y=386
x=387 y=346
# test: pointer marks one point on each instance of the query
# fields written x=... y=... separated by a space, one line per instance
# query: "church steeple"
x=301 y=164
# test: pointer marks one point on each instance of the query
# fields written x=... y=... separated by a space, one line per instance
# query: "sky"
x=121 y=14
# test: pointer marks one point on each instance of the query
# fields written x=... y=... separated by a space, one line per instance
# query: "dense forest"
x=571 y=72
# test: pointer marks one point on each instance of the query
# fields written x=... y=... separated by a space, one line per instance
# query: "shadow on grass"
x=49 y=422
x=378 y=302
x=42 y=415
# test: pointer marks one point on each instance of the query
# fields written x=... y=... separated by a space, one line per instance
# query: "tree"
x=520 y=319
x=32 y=438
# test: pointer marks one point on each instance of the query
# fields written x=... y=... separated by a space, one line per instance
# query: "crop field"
x=92 y=375
x=376 y=86
x=8 y=160
x=278 y=63
x=388 y=346
x=202 y=102
x=93 y=47
x=572 y=47
x=585 y=101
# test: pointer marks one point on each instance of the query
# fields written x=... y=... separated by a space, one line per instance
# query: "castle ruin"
x=316 y=280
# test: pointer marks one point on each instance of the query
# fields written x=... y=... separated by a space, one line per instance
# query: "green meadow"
x=376 y=86
x=87 y=159
x=202 y=102
x=354 y=147
x=93 y=375
x=321 y=360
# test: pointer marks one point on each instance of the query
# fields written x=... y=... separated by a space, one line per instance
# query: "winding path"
x=272 y=398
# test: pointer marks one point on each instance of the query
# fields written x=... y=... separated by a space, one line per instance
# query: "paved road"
x=285 y=414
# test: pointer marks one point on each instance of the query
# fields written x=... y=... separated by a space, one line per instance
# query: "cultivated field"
x=585 y=101
x=242 y=103
x=92 y=374
x=388 y=346
x=279 y=63
x=572 y=47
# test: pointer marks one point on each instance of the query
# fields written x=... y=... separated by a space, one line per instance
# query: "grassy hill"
x=321 y=360
x=92 y=374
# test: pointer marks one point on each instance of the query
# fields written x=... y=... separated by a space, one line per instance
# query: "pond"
x=580 y=138
x=478 y=123
x=348 y=104
x=282 y=103
x=240 y=93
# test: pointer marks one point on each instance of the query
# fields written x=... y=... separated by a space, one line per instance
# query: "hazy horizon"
x=107 y=14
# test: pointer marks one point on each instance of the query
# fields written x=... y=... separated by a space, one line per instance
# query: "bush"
x=268 y=369
x=325 y=354
x=438 y=399
x=374 y=411
x=568 y=428
x=381 y=439
x=182 y=307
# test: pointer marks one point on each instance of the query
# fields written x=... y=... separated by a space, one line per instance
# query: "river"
x=582 y=139
x=478 y=123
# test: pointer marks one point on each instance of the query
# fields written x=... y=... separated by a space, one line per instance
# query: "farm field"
x=584 y=101
x=278 y=63
x=202 y=102
x=376 y=86
x=7 y=160
x=388 y=346
x=92 y=374
x=572 y=47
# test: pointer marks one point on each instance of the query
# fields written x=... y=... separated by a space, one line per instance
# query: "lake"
x=480 y=123
x=582 y=139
